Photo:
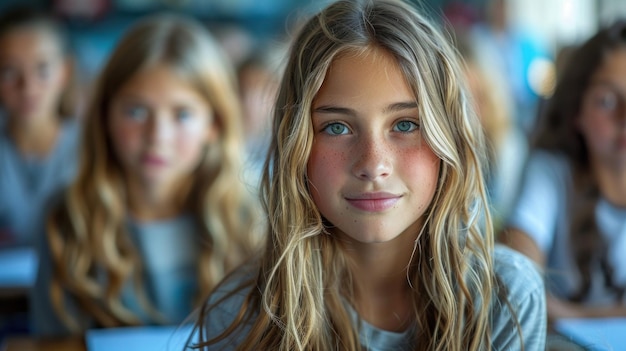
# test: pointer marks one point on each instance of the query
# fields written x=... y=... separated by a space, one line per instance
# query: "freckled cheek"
x=420 y=164
x=325 y=162
x=189 y=146
x=599 y=134
x=125 y=141
x=325 y=170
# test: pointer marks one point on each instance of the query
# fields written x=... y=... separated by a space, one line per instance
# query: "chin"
x=371 y=239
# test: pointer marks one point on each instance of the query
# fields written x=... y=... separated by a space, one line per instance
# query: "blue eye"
x=604 y=98
x=336 y=129
x=137 y=113
x=183 y=114
x=607 y=102
x=405 y=126
x=43 y=70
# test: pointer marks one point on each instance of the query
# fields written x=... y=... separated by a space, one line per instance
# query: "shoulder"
x=519 y=303
x=225 y=305
x=542 y=198
x=228 y=297
x=71 y=132
x=551 y=163
x=517 y=273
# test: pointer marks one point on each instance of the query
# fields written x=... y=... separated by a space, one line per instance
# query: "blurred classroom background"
x=537 y=30
x=527 y=37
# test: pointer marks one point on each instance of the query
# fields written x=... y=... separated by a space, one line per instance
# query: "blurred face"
x=159 y=126
x=33 y=74
x=371 y=173
x=602 y=119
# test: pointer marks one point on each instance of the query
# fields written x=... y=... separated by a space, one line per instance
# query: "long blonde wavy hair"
x=92 y=252
x=298 y=297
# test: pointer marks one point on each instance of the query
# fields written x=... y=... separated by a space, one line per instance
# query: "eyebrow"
x=606 y=84
x=603 y=82
x=129 y=97
x=395 y=107
x=400 y=106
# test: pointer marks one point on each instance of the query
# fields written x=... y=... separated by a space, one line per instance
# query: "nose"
x=26 y=83
x=160 y=129
x=372 y=158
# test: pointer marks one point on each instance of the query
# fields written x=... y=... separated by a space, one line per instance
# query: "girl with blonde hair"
x=380 y=236
x=158 y=213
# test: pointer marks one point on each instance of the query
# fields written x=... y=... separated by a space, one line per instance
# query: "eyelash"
x=415 y=127
x=326 y=127
x=414 y=124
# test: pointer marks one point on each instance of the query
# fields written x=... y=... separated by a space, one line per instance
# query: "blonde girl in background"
x=38 y=135
x=380 y=235
x=157 y=214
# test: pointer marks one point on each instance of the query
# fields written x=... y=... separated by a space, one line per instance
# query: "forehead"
x=160 y=83
x=370 y=71
x=28 y=42
x=613 y=66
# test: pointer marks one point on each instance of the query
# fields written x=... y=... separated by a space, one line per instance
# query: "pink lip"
x=373 y=202
x=152 y=160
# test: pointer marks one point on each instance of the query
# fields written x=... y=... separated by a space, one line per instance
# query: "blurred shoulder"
x=228 y=301
x=548 y=161
x=517 y=272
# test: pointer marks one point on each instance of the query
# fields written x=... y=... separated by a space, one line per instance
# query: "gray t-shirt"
x=518 y=274
x=27 y=184
x=169 y=252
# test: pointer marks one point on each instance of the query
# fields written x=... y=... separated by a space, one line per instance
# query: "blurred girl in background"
x=571 y=214
x=158 y=213
x=38 y=137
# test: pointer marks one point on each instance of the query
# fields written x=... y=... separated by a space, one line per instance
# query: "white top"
x=542 y=213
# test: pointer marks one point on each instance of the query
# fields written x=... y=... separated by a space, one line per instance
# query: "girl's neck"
x=612 y=184
x=381 y=288
x=35 y=138
x=150 y=204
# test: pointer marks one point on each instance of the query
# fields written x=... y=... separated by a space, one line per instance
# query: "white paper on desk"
x=18 y=267
x=154 y=338
x=601 y=334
